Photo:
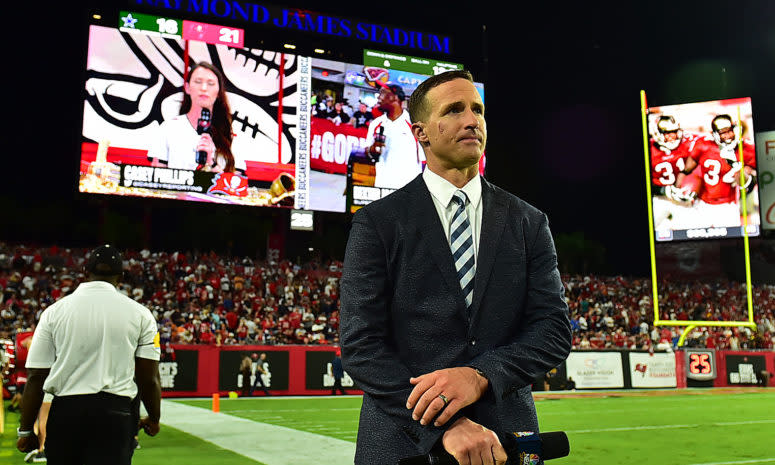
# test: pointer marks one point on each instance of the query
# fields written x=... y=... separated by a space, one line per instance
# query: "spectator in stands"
x=734 y=341
x=362 y=117
x=251 y=328
x=338 y=116
x=320 y=106
x=583 y=326
x=26 y=293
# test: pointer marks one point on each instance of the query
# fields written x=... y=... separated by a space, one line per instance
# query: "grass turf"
x=336 y=417
x=174 y=447
x=680 y=429
x=676 y=429
x=170 y=447
x=613 y=429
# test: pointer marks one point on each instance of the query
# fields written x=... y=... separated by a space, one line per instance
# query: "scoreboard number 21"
x=229 y=36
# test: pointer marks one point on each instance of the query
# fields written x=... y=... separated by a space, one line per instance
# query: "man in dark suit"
x=451 y=298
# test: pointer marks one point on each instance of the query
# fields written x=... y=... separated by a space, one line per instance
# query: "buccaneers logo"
x=229 y=184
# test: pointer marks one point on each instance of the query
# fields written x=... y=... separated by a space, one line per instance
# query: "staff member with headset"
x=86 y=351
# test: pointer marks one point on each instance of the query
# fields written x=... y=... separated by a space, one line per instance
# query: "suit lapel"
x=433 y=237
x=494 y=214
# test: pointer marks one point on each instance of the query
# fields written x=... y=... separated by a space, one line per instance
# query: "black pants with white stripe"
x=93 y=429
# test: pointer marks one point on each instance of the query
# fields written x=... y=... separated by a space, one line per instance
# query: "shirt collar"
x=403 y=119
x=95 y=285
x=443 y=190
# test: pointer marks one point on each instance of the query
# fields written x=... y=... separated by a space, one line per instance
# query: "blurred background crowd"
x=207 y=298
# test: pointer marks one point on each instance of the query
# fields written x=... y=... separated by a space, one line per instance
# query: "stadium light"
x=291 y=46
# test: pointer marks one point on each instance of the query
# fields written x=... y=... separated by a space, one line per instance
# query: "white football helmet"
x=721 y=124
x=666 y=124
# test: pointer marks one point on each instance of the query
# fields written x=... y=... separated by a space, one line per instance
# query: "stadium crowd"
x=618 y=312
x=205 y=298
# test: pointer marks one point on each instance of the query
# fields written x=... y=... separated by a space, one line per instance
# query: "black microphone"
x=202 y=127
x=521 y=448
x=379 y=136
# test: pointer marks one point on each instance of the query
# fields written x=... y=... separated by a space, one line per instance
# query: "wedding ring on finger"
x=444 y=399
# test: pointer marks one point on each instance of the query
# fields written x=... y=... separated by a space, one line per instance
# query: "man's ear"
x=418 y=130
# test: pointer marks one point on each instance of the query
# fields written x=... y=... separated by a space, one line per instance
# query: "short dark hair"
x=418 y=104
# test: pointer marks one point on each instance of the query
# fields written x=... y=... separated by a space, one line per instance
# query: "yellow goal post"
x=692 y=324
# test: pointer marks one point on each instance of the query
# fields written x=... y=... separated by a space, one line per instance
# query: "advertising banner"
x=765 y=153
x=320 y=374
x=596 y=369
x=181 y=373
x=332 y=144
x=655 y=370
x=744 y=369
x=275 y=366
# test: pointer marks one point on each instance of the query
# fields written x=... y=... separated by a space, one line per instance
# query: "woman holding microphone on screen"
x=200 y=137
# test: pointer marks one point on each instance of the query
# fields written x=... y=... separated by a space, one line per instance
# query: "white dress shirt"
x=442 y=192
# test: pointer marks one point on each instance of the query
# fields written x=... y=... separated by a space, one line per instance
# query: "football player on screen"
x=673 y=198
x=718 y=161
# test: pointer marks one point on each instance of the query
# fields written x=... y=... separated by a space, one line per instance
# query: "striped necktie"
x=462 y=243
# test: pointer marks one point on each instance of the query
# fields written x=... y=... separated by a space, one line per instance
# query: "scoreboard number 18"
x=167 y=26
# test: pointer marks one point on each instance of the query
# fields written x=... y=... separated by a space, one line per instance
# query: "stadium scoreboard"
x=407 y=63
x=302 y=220
x=290 y=148
x=180 y=29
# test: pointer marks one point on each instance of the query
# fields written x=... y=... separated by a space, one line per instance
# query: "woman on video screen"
x=185 y=141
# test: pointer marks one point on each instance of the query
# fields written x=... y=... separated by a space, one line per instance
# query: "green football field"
x=687 y=427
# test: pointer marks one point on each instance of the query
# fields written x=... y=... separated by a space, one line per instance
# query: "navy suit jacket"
x=403 y=314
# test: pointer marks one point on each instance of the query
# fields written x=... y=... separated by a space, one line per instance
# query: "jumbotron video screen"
x=358 y=158
x=184 y=110
x=703 y=170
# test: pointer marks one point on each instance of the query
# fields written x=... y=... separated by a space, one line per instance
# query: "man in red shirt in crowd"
x=232 y=320
x=294 y=317
x=206 y=336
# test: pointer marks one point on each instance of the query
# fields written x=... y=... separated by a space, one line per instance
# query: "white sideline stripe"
x=286 y=410
x=239 y=435
x=636 y=428
x=273 y=398
x=772 y=459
